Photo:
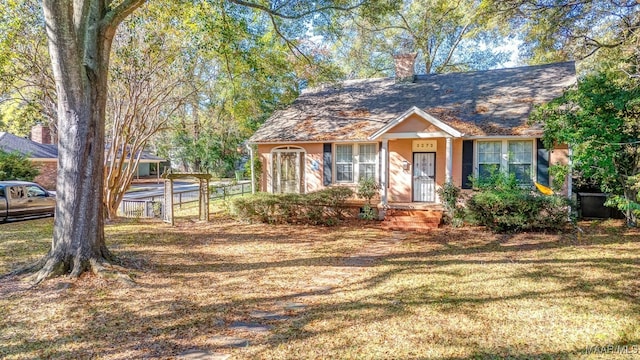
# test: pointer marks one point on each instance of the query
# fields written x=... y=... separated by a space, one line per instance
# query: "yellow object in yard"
x=543 y=189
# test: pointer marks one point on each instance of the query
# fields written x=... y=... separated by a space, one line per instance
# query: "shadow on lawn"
x=118 y=329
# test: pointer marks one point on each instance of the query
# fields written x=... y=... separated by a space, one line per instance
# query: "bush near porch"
x=324 y=207
x=503 y=205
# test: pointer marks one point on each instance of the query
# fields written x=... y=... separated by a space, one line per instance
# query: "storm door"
x=424 y=177
x=288 y=171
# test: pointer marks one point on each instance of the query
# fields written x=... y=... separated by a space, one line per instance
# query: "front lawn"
x=349 y=292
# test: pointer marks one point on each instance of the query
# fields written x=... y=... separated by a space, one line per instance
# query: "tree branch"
x=303 y=14
x=115 y=16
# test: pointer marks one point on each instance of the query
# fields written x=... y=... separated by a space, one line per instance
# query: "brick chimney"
x=405 y=67
x=41 y=134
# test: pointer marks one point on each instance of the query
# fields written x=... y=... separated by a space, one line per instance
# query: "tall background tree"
x=448 y=36
x=595 y=31
x=27 y=88
x=149 y=81
x=79 y=36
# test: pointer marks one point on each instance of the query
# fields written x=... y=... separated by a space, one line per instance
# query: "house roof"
x=27 y=147
x=34 y=150
x=491 y=102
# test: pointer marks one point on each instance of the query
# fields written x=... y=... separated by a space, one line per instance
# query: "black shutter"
x=467 y=163
x=542 y=170
x=326 y=165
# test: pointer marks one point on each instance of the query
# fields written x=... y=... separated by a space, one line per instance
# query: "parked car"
x=21 y=199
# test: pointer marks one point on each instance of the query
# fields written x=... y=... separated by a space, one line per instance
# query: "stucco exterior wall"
x=559 y=156
x=400 y=180
x=414 y=123
x=312 y=165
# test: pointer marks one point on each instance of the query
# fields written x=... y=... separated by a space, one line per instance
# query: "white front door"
x=424 y=177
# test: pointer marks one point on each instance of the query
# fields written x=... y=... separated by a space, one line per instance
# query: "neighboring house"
x=39 y=150
x=42 y=153
x=412 y=136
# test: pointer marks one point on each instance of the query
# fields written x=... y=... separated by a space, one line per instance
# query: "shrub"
x=503 y=206
x=324 y=207
x=367 y=189
x=14 y=166
x=449 y=194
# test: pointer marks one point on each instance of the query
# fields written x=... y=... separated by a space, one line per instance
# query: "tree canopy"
x=600 y=120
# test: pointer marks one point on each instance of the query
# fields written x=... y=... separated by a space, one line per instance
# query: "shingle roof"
x=492 y=102
x=31 y=149
x=34 y=150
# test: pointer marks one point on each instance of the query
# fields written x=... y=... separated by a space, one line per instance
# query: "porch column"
x=383 y=171
x=449 y=159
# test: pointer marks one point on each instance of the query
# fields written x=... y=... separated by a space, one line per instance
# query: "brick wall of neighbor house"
x=313 y=165
x=48 y=172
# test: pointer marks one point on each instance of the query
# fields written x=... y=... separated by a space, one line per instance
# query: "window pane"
x=520 y=152
x=486 y=170
x=367 y=171
x=34 y=191
x=522 y=173
x=520 y=160
x=489 y=152
x=368 y=153
x=344 y=172
x=344 y=154
x=344 y=163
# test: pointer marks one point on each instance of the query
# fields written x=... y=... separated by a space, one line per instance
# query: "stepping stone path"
x=230 y=341
x=249 y=326
x=196 y=354
x=269 y=316
x=292 y=306
x=325 y=283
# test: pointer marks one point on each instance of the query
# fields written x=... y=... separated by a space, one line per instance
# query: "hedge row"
x=325 y=207
x=518 y=210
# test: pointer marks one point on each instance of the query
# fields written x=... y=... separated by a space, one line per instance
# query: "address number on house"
x=425 y=145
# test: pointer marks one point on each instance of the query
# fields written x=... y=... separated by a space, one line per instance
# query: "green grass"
x=366 y=293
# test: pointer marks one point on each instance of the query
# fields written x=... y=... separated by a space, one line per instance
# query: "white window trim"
x=504 y=156
x=356 y=162
x=282 y=149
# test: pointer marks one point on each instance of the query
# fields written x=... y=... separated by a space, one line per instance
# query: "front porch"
x=418 y=154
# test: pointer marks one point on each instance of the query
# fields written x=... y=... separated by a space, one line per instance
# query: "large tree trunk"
x=80 y=35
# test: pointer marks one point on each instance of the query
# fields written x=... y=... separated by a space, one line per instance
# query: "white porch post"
x=449 y=160
x=253 y=175
x=383 y=171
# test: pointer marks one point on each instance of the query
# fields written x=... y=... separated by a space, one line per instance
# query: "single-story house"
x=43 y=152
x=412 y=133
